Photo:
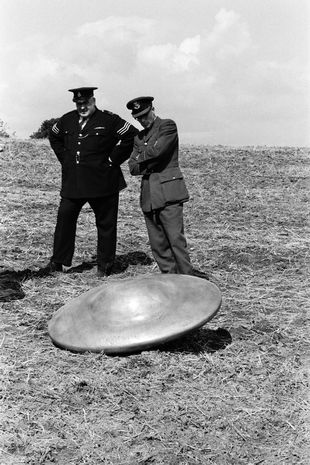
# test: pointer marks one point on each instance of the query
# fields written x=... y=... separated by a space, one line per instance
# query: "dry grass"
x=184 y=403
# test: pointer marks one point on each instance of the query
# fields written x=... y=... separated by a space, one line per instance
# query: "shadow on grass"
x=10 y=280
x=121 y=262
x=198 y=341
x=201 y=340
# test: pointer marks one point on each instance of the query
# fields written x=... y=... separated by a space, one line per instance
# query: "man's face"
x=86 y=107
x=147 y=119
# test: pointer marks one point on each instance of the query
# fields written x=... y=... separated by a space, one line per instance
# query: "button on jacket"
x=91 y=156
x=155 y=156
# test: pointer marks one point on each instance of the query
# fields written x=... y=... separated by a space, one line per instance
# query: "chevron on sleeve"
x=123 y=129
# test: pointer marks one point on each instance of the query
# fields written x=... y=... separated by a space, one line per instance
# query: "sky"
x=230 y=72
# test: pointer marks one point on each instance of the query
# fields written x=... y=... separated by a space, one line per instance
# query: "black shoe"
x=103 y=272
x=200 y=274
x=52 y=267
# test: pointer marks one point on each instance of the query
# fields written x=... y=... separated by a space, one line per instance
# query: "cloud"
x=132 y=54
x=210 y=80
x=230 y=35
x=118 y=29
x=126 y=45
x=170 y=57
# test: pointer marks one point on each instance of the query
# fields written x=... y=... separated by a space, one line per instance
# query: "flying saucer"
x=134 y=314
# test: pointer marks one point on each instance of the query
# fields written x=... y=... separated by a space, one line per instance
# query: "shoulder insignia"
x=55 y=129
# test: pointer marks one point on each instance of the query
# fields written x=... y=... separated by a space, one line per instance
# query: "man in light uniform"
x=163 y=190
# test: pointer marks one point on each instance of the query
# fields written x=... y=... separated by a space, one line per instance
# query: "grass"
x=186 y=402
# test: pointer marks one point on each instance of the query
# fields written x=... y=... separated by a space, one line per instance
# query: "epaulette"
x=108 y=112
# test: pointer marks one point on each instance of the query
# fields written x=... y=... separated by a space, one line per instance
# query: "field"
x=197 y=400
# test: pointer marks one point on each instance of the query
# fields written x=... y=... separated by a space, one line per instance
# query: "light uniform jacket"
x=155 y=156
x=84 y=153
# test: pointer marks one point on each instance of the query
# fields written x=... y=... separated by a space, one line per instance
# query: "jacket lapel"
x=152 y=130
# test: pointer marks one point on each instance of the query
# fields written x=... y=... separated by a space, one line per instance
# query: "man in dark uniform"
x=91 y=145
x=163 y=190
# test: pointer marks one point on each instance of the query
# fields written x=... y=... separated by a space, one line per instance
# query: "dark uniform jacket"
x=84 y=153
x=155 y=156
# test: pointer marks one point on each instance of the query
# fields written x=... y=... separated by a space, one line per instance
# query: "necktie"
x=82 y=122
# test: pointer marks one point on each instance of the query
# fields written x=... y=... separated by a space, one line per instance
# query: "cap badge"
x=136 y=105
x=79 y=94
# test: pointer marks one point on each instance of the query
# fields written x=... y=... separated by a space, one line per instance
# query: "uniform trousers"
x=166 y=234
x=105 y=210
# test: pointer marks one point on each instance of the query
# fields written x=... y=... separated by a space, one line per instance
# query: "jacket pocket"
x=173 y=186
x=99 y=131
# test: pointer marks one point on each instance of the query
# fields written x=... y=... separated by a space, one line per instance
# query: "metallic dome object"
x=134 y=314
